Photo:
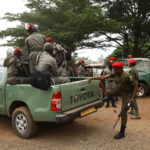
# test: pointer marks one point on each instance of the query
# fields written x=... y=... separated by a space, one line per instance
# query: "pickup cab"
x=62 y=103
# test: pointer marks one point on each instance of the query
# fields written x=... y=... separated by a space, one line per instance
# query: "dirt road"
x=93 y=132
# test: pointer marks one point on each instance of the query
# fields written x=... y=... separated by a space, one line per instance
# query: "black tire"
x=142 y=90
x=23 y=123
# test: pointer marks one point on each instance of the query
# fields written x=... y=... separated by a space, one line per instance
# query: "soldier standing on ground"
x=109 y=83
x=81 y=69
x=126 y=88
x=133 y=76
x=15 y=69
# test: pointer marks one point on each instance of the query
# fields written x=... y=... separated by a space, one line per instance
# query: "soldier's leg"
x=107 y=104
x=131 y=112
x=113 y=101
x=136 y=115
x=18 y=80
x=121 y=134
x=13 y=80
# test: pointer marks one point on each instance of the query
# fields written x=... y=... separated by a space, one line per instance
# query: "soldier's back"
x=46 y=63
x=35 y=42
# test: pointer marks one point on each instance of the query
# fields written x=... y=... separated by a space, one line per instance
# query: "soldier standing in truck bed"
x=126 y=88
x=109 y=83
x=81 y=69
x=34 y=44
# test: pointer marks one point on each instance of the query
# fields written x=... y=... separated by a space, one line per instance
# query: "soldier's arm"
x=134 y=94
x=27 y=46
x=134 y=84
x=19 y=65
x=103 y=77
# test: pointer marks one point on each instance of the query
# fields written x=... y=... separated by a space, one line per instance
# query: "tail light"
x=56 y=104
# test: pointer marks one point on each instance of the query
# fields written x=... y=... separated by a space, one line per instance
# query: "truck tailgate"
x=79 y=93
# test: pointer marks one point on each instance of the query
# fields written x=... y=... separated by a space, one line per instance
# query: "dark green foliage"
x=76 y=22
x=129 y=20
x=67 y=21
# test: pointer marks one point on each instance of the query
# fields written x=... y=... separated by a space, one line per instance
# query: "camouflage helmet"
x=48 y=47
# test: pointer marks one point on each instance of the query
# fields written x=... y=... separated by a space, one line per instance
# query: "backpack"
x=40 y=80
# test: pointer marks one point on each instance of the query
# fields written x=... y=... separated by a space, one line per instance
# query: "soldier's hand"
x=131 y=100
x=89 y=79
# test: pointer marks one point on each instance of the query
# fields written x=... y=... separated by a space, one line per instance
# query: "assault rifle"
x=126 y=106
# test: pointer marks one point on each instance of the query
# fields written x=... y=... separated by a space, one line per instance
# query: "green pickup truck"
x=63 y=103
x=144 y=78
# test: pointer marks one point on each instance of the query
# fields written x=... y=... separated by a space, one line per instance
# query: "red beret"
x=112 y=58
x=18 y=50
x=108 y=61
x=81 y=61
x=117 y=65
x=48 y=39
x=30 y=27
x=131 y=61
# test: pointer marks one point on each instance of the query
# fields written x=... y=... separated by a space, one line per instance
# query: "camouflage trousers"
x=18 y=80
x=125 y=97
x=134 y=105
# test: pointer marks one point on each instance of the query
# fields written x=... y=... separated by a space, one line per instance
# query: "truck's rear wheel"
x=23 y=123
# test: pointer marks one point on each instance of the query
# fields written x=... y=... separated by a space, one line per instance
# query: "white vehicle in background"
x=97 y=68
x=97 y=72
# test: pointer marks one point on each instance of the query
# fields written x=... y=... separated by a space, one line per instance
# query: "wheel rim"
x=141 y=91
x=21 y=123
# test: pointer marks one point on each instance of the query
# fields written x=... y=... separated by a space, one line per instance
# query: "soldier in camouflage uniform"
x=126 y=88
x=47 y=64
x=133 y=76
x=109 y=83
x=62 y=72
x=59 y=52
x=34 y=43
x=15 y=69
x=81 y=70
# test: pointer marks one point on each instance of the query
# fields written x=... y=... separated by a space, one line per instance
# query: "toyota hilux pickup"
x=62 y=103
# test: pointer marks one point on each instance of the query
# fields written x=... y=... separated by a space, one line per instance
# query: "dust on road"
x=93 y=132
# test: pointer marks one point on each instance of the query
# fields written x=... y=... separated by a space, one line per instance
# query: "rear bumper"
x=74 y=113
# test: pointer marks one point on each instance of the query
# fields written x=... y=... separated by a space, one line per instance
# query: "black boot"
x=121 y=134
x=113 y=104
